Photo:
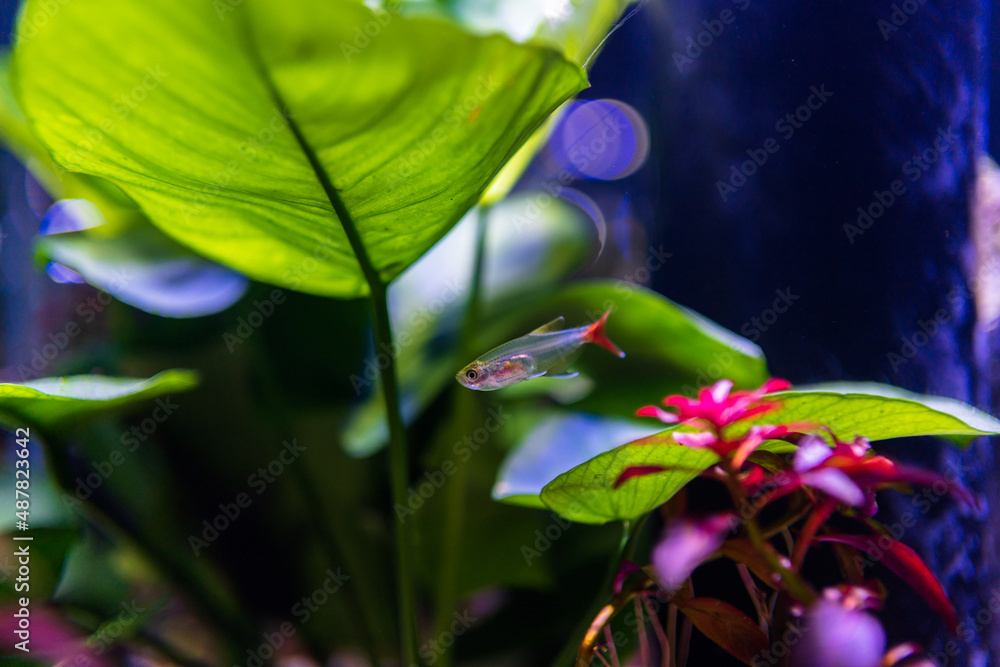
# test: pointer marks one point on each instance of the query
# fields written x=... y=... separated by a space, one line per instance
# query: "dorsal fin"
x=549 y=327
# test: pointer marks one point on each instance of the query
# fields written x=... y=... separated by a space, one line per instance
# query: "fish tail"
x=595 y=334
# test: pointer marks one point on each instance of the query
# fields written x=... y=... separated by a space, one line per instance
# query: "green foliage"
x=56 y=403
x=880 y=412
x=211 y=123
x=587 y=492
x=222 y=121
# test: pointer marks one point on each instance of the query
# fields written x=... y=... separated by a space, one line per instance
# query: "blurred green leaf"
x=880 y=412
x=183 y=106
x=49 y=548
x=146 y=269
x=52 y=403
x=576 y=28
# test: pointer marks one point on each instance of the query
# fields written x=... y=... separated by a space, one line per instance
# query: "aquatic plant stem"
x=626 y=547
x=790 y=580
x=378 y=290
x=464 y=410
x=398 y=468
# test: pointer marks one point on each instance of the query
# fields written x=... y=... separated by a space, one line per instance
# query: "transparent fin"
x=562 y=375
x=549 y=327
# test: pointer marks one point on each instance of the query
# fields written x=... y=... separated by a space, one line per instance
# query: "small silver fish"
x=545 y=351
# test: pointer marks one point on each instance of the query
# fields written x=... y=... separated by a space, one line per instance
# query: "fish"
x=546 y=351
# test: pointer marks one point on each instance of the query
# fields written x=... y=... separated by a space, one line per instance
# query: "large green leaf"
x=586 y=493
x=881 y=412
x=52 y=403
x=183 y=105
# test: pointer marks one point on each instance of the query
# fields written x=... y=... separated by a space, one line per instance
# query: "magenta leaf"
x=636 y=471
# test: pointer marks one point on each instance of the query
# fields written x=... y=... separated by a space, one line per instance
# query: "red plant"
x=825 y=478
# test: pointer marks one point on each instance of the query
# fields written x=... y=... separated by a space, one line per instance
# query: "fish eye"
x=471 y=374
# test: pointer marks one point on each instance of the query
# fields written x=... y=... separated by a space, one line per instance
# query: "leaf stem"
x=464 y=409
x=398 y=458
x=791 y=580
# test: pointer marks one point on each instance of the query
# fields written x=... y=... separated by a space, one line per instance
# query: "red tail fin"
x=595 y=334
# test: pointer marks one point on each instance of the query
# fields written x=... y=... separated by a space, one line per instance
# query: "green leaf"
x=586 y=493
x=881 y=412
x=59 y=183
x=185 y=109
x=52 y=403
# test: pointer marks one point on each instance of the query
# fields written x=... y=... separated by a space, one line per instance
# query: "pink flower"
x=716 y=406
x=686 y=544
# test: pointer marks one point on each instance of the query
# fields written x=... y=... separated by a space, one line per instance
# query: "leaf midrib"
x=344 y=217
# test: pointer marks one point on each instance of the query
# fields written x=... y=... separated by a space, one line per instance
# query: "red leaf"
x=636 y=471
x=908 y=566
x=742 y=551
x=727 y=626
